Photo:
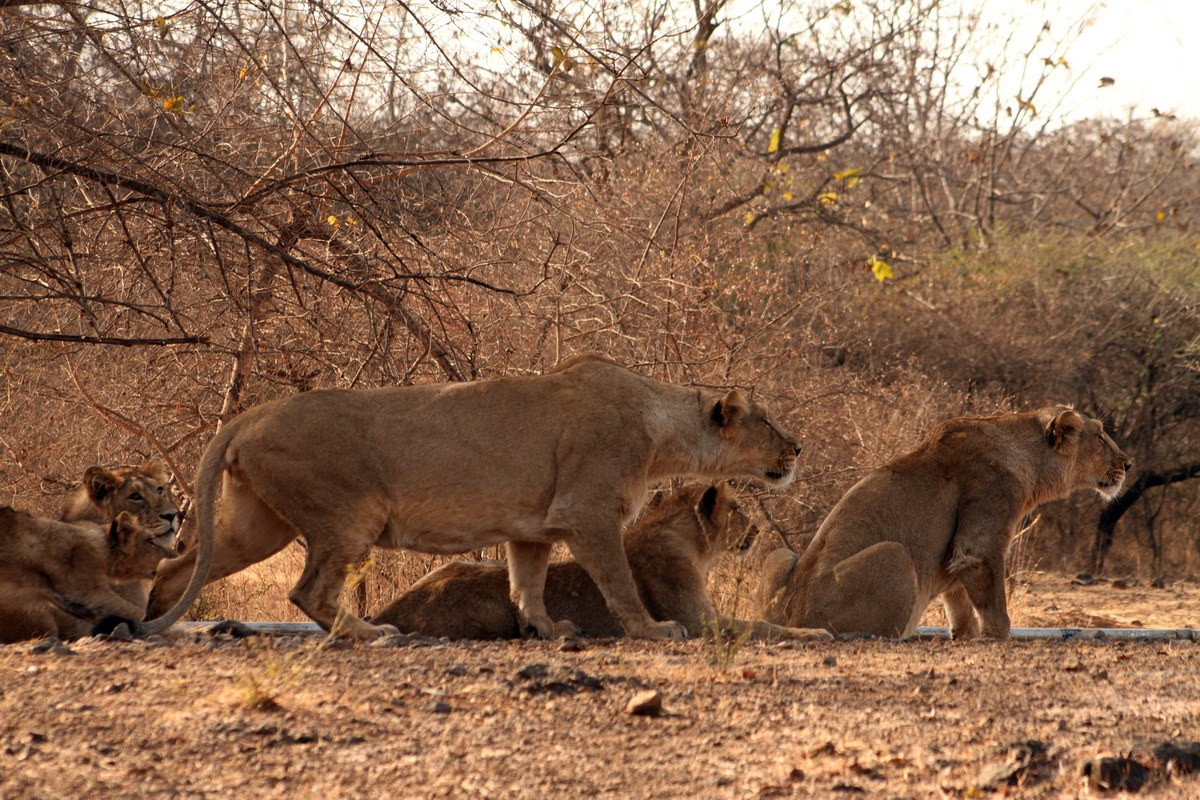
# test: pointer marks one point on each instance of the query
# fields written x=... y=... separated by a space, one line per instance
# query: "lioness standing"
x=566 y=456
x=938 y=521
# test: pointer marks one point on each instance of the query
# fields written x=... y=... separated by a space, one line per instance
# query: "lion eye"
x=136 y=497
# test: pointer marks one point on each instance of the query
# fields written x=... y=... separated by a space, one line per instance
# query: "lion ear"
x=100 y=483
x=122 y=529
x=707 y=507
x=1064 y=425
x=156 y=469
x=730 y=408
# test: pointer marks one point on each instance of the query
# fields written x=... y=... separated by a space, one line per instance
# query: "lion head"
x=135 y=549
x=141 y=491
x=753 y=444
x=725 y=524
x=1095 y=460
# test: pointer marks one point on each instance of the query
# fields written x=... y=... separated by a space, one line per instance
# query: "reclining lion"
x=938 y=521
x=55 y=577
x=143 y=491
x=566 y=456
x=670 y=551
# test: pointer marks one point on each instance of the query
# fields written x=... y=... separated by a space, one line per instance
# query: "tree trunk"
x=1107 y=526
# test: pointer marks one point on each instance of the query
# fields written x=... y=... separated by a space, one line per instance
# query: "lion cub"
x=56 y=577
x=670 y=551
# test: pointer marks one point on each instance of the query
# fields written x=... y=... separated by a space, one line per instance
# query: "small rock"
x=440 y=708
x=405 y=640
x=1084 y=579
x=231 y=628
x=533 y=671
x=1025 y=762
x=120 y=633
x=1113 y=773
x=1120 y=584
x=830 y=661
x=570 y=644
x=1176 y=758
x=645 y=704
x=53 y=646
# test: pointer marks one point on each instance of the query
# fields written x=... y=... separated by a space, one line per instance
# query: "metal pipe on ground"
x=1017 y=634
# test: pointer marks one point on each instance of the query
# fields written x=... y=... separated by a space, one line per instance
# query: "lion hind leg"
x=26 y=614
x=328 y=560
x=771 y=597
x=873 y=592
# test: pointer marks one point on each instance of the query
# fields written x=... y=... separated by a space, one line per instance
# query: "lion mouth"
x=1110 y=485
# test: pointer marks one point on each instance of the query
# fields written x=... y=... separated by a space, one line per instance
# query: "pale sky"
x=1148 y=47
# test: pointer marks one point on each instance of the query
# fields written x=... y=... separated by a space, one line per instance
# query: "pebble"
x=645 y=704
x=51 y=645
x=1112 y=773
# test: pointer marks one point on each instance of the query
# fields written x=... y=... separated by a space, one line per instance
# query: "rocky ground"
x=203 y=716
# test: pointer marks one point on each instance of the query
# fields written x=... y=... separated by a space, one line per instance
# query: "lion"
x=938 y=521
x=445 y=468
x=670 y=550
x=142 y=491
x=56 y=577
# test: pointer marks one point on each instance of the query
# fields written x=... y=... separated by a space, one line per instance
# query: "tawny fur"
x=670 y=551
x=55 y=577
x=938 y=521
x=566 y=456
x=142 y=491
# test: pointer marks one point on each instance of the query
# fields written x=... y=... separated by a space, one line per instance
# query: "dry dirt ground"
x=203 y=717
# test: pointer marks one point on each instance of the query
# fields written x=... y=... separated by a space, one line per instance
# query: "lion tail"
x=208 y=478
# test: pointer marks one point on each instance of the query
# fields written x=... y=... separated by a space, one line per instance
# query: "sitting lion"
x=566 y=456
x=55 y=576
x=938 y=521
x=142 y=491
x=670 y=551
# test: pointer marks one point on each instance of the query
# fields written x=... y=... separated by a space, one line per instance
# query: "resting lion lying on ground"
x=142 y=491
x=670 y=551
x=55 y=576
x=566 y=456
x=938 y=521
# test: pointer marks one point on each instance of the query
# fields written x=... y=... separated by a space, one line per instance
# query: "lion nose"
x=1128 y=464
x=796 y=450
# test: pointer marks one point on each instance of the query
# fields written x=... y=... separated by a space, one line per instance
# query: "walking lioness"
x=568 y=455
x=938 y=521
x=670 y=550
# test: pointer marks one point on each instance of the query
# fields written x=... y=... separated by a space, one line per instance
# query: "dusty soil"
x=202 y=716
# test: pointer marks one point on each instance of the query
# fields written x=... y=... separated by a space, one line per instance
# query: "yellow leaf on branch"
x=880 y=269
